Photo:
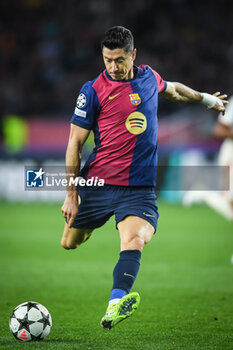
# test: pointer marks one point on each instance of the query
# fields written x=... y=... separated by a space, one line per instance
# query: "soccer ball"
x=30 y=321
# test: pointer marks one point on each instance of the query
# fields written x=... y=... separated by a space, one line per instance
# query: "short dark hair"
x=118 y=38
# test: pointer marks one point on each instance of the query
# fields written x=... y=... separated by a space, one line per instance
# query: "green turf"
x=185 y=281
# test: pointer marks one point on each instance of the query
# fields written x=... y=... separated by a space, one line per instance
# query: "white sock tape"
x=211 y=100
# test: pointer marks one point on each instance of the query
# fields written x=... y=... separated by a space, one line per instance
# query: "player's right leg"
x=94 y=210
x=72 y=237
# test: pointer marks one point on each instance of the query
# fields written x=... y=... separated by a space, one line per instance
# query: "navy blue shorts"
x=99 y=203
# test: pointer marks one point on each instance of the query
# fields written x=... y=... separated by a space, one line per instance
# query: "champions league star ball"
x=30 y=321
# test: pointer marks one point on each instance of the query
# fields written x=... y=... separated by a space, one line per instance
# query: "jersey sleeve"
x=227 y=119
x=87 y=107
x=162 y=84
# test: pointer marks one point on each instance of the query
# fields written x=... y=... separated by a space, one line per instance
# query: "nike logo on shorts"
x=112 y=97
x=127 y=274
x=148 y=215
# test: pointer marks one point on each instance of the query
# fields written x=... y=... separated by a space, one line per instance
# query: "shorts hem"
x=139 y=216
x=90 y=227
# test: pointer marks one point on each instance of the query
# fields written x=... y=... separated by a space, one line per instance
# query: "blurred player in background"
x=120 y=106
x=220 y=201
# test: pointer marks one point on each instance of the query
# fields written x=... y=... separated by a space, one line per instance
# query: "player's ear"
x=134 y=54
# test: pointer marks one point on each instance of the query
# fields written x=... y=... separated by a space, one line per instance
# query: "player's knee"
x=147 y=238
x=139 y=242
x=136 y=240
x=133 y=242
x=68 y=244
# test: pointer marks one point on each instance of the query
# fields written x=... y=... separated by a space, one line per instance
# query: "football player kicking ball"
x=120 y=106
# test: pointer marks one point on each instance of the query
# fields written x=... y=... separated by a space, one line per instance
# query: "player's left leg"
x=135 y=233
x=72 y=237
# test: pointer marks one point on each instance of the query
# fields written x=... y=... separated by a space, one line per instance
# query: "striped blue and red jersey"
x=123 y=117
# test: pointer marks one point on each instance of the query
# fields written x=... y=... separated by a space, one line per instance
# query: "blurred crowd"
x=49 y=48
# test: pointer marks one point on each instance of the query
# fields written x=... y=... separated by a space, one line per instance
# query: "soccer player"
x=120 y=106
x=224 y=131
x=220 y=201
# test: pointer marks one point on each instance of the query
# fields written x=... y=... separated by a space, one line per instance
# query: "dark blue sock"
x=125 y=273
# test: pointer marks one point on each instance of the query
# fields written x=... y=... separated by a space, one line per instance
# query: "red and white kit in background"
x=221 y=202
x=226 y=149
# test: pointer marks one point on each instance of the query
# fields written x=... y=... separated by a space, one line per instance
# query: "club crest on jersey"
x=135 y=99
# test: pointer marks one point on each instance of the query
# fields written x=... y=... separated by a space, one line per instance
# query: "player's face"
x=118 y=63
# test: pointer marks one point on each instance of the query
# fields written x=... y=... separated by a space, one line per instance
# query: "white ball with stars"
x=30 y=321
x=81 y=100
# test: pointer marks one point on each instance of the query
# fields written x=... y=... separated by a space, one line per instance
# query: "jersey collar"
x=136 y=74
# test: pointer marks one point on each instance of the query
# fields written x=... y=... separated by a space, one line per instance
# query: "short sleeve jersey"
x=123 y=117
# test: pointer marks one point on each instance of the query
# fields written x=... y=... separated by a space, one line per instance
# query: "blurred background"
x=49 y=49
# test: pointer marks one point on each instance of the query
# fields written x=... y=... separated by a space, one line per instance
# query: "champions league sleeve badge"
x=81 y=100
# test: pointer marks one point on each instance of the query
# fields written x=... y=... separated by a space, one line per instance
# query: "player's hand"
x=217 y=106
x=70 y=209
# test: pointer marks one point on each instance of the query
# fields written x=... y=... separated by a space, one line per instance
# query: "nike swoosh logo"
x=112 y=97
x=127 y=274
x=148 y=215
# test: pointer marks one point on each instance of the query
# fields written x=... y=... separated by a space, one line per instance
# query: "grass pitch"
x=185 y=281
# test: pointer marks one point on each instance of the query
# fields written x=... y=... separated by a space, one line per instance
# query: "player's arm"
x=180 y=92
x=76 y=141
x=223 y=131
